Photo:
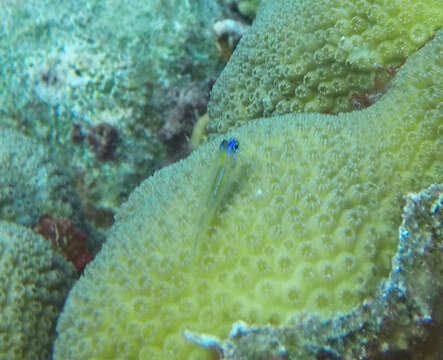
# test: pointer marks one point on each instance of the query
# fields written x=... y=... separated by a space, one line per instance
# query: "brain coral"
x=34 y=282
x=315 y=56
x=309 y=225
x=31 y=185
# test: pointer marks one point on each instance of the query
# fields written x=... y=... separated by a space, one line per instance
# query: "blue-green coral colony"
x=73 y=65
x=31 y=184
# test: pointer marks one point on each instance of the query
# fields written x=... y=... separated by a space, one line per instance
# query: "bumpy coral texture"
x=31 y=185
x=86 y=65
x=318 y=56
x=34 y=282
x=404 y=316
x=309 y=225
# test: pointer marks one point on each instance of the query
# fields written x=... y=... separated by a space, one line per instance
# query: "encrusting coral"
x=34 y=282
x=319 y=56
x=309 y=226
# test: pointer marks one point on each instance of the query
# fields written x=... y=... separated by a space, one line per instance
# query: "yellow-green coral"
x=249 y=7
x=395 y=320
x=314 y=56
x=198 y=132
x=310 y=225
x=34 y=282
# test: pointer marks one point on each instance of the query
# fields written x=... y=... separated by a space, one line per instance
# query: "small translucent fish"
x=227 y=151
x=219 y=182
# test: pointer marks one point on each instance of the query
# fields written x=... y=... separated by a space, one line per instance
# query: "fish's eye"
x=232 y=146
